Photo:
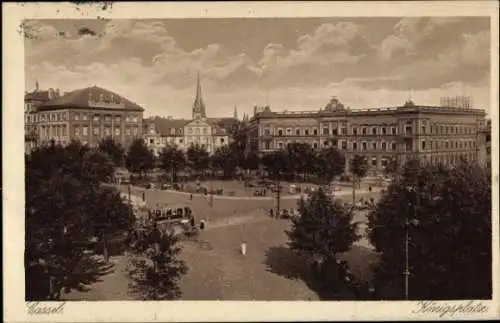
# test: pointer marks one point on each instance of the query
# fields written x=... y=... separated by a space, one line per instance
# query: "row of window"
x=370 y=131
x=84 y=131
x=64 y=116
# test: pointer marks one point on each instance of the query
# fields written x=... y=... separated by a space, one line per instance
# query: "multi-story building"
x=89 y=115
x=435 y=134
x=32 y=100
x=484 y=154
x=209 y=133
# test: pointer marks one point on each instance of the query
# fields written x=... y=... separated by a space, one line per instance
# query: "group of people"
x=284 y=213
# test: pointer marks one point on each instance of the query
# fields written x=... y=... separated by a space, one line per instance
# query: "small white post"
x=243 y=248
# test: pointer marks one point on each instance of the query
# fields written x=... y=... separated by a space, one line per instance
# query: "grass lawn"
x=218 y=271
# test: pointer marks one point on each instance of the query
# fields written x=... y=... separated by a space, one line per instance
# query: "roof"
x=164 y=125
x=37 y=96
x=90 y=98
x=225 y=123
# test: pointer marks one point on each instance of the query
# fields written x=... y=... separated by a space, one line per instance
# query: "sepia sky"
x=289 y=63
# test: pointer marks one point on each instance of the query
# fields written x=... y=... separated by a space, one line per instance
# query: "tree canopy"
x=198 y=158
x=172 y=159
x=114 y=150
x=139 y=158
x=449 y=226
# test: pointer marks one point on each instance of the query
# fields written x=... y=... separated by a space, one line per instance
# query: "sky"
x=293 y=64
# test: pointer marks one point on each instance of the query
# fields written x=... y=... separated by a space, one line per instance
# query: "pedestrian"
x=370 y=188
x=144 y=196
x=192 y=222
x=202 y=224
x=271 y=213
x=243 y=248
x=191 y=196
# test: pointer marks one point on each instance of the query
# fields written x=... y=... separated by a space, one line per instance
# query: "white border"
x=13 y=172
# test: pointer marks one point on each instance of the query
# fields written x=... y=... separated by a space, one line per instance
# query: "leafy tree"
x=323 y=231
x=98 y=165
x=223 y=159
x=139 y=158
x=299 y=157
x=251 y=161
x=330 y=162
x=198 y=158
x=392 y=168
x=172 y=159
x=112 y=217
x=114 y=150
x=62 y=187
x=276 y=164
x=447 y=212
x=155 y=269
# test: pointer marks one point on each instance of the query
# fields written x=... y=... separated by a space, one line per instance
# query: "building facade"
x=89 y=115
x=32 y=100
x=208 y=133
x=435 y=134
x=484 y=156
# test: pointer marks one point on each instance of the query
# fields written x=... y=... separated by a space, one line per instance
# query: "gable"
x=197 y=123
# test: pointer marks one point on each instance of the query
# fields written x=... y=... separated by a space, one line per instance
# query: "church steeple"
x=198 y=106
x=37 y=87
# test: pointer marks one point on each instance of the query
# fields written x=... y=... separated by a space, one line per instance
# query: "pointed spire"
x=198 y=88
x=198 y=106
x=37 y=87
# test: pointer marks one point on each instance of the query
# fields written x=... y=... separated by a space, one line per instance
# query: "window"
x=374 y=145
x=267 y=132
x=394 y=130
x=343 y=131
x=64 y=130
x=344 y=144
x=96 y=131
x=181 y=141
x=384 y=146
x=118 y=119
x=374 y=131
x=354 y=131
x=267 y=145
x=151 y=141
x=364 y=146
x=107 y=131
x=364 y=131
x=423 y=129
x=96 y=118
x=127 y=119
x=196 y=130
x=127 y=131
x=335 y=132
x=446 y=145
x=297 y=132
x=306 y=132
x=77 y=116
x=222 y=140
x=384 y=131
x=408 y=130
x=77 y=131
x=326 y=131
x=393 y=146
x=280 y=132
x=107 y=118
x=315 y=131
x=315 y=145
x=280 y=145
x=423 y=145
x=85 y=131
x=289 y=131
x=117 y=131
x=85 y=117
x=354 y=146
x=325 y=143
x=205 y=130
x=374 y=161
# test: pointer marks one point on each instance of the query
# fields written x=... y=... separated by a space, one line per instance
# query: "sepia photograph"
x=262 y=158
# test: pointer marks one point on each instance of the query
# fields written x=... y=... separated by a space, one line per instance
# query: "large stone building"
x=484 y=154
x=208 y=133
x=88 y=115
x=436 y=134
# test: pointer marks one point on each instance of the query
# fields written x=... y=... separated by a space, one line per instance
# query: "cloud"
x=143 y=61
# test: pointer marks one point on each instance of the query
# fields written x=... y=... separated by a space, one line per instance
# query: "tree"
x=276 y=165
x=139 y=158
x=114 y=150
x=154 y=268
x=112 y=217
x=299 y=154
x=323 y=231
x=98 y=165
x=198 y=158
x=172 y=159
x=359 y=168
x=330 y=162
x=62 y=187
x=223 y=159
x=447 y=212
